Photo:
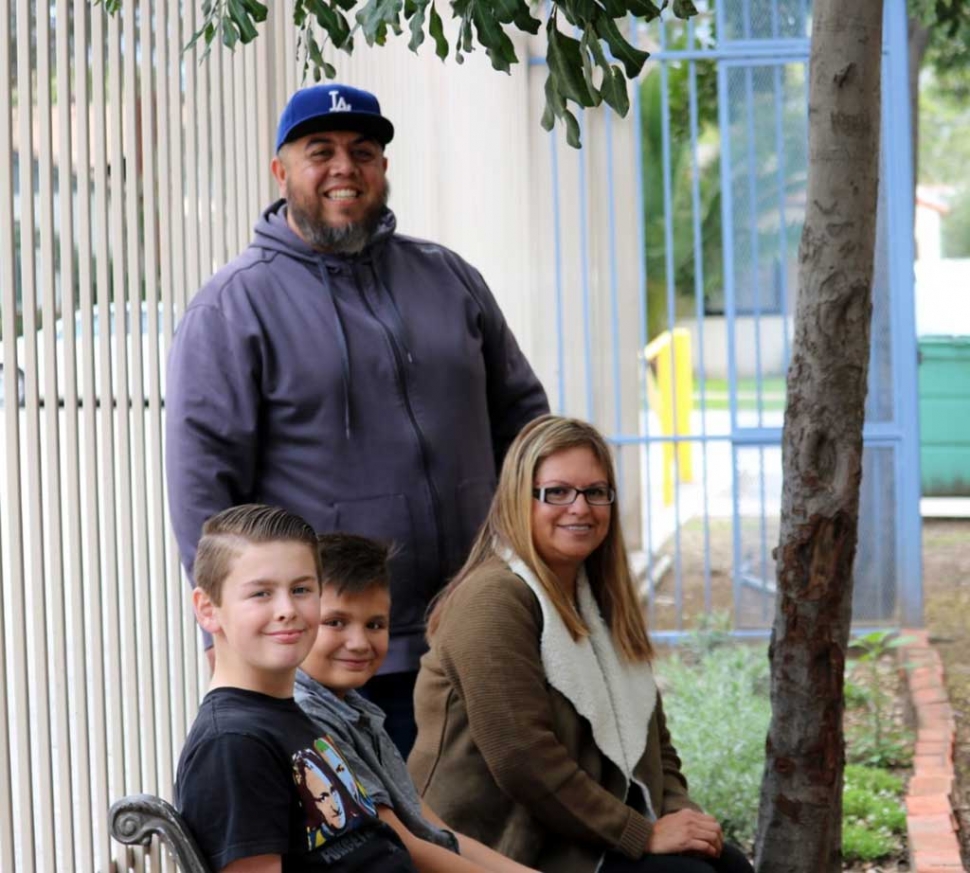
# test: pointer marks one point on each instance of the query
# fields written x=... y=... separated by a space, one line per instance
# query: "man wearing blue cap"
x=362 y=379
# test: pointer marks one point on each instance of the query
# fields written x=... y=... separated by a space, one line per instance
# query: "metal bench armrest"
x=136 y=818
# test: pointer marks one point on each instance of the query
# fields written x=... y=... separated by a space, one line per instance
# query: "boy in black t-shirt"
x=260 y=788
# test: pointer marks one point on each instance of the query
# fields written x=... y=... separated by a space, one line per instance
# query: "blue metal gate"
x=718 y=166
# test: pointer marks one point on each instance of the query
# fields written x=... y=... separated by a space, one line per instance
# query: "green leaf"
x=590 y=56
x=525 y=21
x=437 y=33
x=645 y=10
x=614 y=91
x=256 y=9
x=566 y=66
x=630 y=56
x=579 y=13
x=375 y=16
x=492 y=35
x=572 y=130
x=505 y=10
x=465 y=36
x=548 y=120
x=241 y=18
x=332 y=21
x=416 y=22
x=230 y=36
x=684 y=8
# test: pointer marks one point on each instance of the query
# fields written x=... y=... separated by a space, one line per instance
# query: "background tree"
x=939 y=38
x=822 y=441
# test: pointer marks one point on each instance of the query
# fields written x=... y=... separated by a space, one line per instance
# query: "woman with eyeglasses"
x=540 y=729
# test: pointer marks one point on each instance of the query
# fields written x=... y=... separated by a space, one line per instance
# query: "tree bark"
x=800 y=816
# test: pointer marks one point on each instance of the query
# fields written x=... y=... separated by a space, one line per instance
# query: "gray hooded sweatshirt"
x=372 y=394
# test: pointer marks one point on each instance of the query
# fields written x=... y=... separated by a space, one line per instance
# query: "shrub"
x=717 y=707
x=718 y=710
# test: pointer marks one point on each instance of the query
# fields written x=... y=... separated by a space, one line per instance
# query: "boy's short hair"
x=352 y=564
x=227 y=533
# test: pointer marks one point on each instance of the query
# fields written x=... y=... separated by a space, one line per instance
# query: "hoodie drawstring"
x=341 y=343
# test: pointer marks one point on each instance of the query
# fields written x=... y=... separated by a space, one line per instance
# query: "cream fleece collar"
x=615 y=696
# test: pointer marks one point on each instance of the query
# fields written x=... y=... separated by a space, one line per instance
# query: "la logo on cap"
x=338 y=104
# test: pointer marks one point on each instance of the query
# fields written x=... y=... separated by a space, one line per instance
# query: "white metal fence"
x=128 y=172
x=118 y=198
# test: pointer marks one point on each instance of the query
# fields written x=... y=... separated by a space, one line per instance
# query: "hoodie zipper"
x=402 y=387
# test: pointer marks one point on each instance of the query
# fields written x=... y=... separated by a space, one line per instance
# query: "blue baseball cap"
x=332 y=107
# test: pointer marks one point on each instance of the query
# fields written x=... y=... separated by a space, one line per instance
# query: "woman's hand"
x=686 y=831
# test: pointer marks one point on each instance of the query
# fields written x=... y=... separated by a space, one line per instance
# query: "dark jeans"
x=394 y=693
x=732 y=860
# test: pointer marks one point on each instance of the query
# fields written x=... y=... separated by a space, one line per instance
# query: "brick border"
x=930 y=820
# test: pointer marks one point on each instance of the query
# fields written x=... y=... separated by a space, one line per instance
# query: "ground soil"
x=946 y=586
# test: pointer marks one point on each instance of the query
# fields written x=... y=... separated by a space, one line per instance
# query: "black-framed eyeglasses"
x=564 y=495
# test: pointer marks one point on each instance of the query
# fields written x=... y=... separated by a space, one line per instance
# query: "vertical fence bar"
x=51 y=599
x=642 y=314
x=39 y=833
x=584 y=271
x=752 y=174
x=117 y=507
x=217 y=151
x=14 y=789
x=614 y=286
x=89 y=701
x=727 y=236
x=557 y=253
x=192 y=144
x=204 y=130
x=783 y=224
x=671 y=449
x=159 y=641
x=69 y=663
x=104 y=573
x=899 y=212
x=699 y=314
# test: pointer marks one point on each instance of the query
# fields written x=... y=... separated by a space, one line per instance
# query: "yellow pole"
x=685 y=401
x=665 y=376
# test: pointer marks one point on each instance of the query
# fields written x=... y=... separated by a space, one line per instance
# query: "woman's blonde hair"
x=509 y=525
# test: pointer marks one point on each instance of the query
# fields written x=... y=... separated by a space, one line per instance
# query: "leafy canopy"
x=589 y=55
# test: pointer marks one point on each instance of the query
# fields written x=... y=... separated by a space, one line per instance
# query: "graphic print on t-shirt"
x=334 y=801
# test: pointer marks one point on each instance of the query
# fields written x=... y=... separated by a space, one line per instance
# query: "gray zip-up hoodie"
x=374 y=394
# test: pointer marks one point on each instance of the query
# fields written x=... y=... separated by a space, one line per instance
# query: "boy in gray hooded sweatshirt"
x=350 y=646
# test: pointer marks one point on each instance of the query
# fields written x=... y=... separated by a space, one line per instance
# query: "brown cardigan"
x=505 y=758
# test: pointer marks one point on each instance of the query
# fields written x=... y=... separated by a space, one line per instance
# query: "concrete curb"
x=930 y=819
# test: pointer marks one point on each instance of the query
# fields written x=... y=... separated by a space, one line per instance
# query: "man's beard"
x=345 y=239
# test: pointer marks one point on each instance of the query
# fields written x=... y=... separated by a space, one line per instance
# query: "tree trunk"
x=800 y=817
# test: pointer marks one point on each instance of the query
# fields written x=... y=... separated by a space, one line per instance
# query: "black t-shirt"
x=256 y=778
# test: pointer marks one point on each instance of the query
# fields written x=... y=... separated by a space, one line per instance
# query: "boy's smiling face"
x=266 y=620
x=353 y=638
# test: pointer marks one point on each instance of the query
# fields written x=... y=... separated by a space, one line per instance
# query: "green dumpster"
x=944 y=411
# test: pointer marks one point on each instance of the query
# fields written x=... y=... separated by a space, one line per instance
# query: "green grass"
x=873 y=818
x=717 y=394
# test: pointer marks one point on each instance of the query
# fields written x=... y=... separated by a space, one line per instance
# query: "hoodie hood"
x=272 y=232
